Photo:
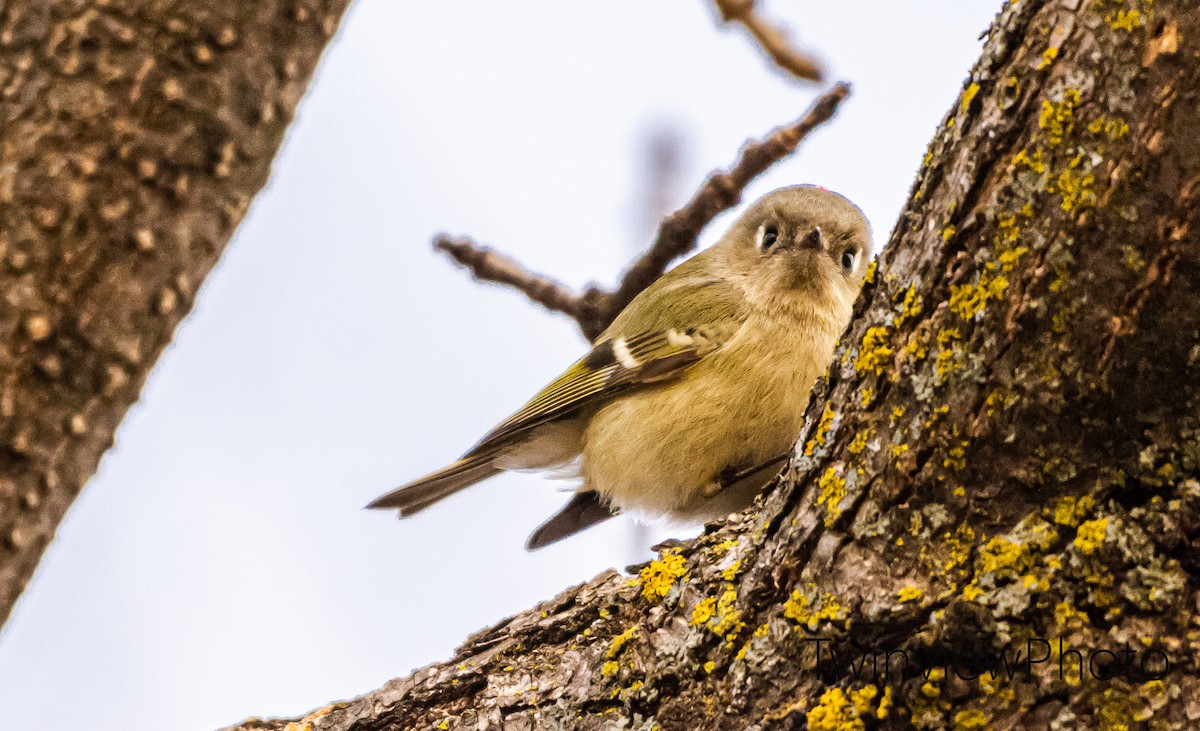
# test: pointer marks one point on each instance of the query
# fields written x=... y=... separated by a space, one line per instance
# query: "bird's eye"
x=768 y=234
x=849 y=259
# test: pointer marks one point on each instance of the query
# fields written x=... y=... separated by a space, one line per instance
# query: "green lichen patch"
x=831 y=493
x=821 y=433
x=659 y=577
x=809 y=613
x=875 y=353
x=1057 y=118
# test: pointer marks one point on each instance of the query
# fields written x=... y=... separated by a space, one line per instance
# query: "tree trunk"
x=998 y=489
x=135 y=133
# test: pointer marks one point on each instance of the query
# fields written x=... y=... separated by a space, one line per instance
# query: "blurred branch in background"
x=772 y=38
x=659 y=180
x=658 y=191
x=596 y=308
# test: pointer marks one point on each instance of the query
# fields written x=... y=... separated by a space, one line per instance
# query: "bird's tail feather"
x=584 y=510
x=420 y=494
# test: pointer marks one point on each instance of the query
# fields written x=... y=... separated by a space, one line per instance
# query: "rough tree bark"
x=135 y=133
x=1005 y=455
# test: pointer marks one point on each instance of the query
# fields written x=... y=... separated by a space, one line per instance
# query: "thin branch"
x=596 y=308
x=487 y=265
x=772 y=39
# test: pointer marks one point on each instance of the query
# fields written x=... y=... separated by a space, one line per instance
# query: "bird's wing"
x=674 y=338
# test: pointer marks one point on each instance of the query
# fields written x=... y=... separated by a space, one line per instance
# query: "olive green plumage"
x=688 y=402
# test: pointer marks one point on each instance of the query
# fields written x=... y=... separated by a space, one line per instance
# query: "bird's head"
x=801 y=246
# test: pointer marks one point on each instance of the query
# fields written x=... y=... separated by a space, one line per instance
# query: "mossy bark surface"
x=134 y=135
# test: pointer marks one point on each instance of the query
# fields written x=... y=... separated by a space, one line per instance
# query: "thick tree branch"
x=1004 y=457
x=135 y=134
x=771 y=38
x=721 y=191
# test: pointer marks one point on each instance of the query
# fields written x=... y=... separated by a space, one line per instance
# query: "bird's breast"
x=655 y=450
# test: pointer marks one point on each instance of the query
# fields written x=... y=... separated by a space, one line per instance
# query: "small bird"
x=691 y=400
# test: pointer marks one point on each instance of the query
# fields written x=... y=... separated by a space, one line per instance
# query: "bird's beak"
x=813 y=240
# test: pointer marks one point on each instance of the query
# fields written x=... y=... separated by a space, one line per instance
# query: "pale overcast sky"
x=220 y=564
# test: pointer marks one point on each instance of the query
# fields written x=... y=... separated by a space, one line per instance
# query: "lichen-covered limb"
x=135 y=134
x=491 y=266
x=596 y=308
x=771 y=38
x=993 y=521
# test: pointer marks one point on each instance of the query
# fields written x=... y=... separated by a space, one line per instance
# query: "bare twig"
x=490 y=266
x=772 y=39
x=596 y=308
